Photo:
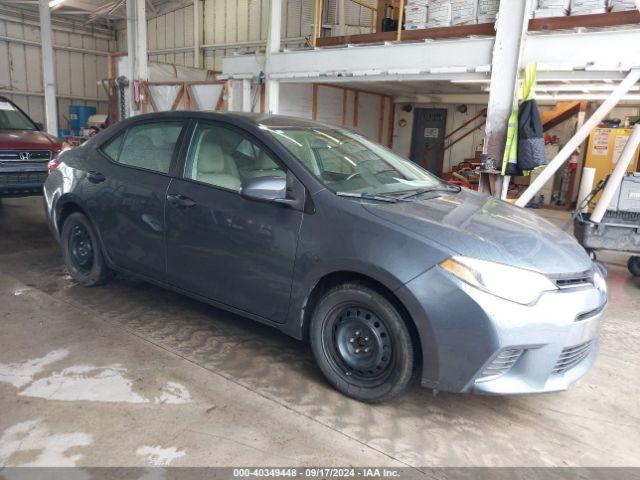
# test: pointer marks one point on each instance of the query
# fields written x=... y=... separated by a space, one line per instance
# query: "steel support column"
x=197 y=33
x=48 y=71
x=511 y=29
x=273 y=46
x=136 y=45
x=246 y=95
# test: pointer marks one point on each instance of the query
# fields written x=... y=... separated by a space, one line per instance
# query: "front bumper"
x=475 y=342
x=22 y=184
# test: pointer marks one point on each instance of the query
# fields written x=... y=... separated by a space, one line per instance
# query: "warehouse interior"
x=131 y=375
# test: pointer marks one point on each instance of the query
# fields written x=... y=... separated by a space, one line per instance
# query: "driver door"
x=220 y=245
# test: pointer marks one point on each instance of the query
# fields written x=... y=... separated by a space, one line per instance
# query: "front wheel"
x=81 y=252
x=634 y=266
x=361 y=343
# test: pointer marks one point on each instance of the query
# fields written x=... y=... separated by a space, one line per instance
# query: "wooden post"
x=381 y=120
x=345 y=94
x=356 y=99
x=314 y=101
x=390 y=125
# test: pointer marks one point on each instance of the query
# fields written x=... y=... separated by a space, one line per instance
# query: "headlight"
x=511 y=283
x=599 y=282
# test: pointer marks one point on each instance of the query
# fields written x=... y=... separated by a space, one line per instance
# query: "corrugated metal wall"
x=80 y=57
x=233 y=26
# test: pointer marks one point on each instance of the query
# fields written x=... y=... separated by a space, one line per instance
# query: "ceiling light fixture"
x=55 y=3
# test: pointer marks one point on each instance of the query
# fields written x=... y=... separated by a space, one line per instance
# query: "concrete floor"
x=131 y=375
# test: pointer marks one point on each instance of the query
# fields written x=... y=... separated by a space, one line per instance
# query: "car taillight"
x=53 y=164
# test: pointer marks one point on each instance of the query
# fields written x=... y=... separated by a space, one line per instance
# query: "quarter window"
x=224 y=158
x=150 y=146
x=112 y=148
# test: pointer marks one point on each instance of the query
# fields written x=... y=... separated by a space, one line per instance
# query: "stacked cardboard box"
x=488 y=10
x=552 y=8
x=588 y=7
x=439 y=13
x=621 y=5
x=464 y=12
x=415 y=14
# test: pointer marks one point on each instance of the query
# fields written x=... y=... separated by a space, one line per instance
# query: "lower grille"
x=572 y=356
x=22 y=178
x=500 y=365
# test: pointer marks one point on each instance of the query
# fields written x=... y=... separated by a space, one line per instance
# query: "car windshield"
x=346 y=162
x=13 y=119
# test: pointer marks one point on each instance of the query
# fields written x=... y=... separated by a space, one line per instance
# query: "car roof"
x=246 y=118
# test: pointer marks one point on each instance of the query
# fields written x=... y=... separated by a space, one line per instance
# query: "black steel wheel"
x=81 y=248
x=81 y=251
x=361 y=343
x=634 y=266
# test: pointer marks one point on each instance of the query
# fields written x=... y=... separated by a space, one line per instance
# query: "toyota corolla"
x=386 y=270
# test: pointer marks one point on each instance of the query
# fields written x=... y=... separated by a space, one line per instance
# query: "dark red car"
x=25 y=152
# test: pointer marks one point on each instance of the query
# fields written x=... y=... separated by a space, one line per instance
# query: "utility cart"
x=619 y=230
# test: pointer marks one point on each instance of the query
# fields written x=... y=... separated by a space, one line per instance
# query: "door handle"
x=180 y=201
x=96 y=177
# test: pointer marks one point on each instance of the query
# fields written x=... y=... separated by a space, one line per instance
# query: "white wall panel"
x=34 y=68
x=77 y=73
x=330 y=105
x=295 y=99
x=18 y=67
x=255 y=19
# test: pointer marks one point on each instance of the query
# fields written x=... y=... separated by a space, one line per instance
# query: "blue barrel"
x=63 y=132
x=79 y=115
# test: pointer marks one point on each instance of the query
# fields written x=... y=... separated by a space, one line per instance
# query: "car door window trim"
x=193 y=128
x=177 y=148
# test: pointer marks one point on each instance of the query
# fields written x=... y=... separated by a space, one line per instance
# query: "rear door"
x=220 y=245
x=127 y=195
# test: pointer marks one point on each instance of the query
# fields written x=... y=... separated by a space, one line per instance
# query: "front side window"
x=225 y=158
x=349 y=163
x=13 y=119
x=150 y=146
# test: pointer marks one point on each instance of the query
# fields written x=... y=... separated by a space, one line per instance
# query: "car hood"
x=475 y=225
x=28 y=140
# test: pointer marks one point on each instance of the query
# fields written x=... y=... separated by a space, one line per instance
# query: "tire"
x=81 y=252
x=361 y=343
x=634 y=266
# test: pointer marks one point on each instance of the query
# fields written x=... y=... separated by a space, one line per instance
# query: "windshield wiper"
x=369 y=196
x=415 y=193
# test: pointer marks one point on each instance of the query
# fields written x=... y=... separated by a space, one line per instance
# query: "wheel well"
x=340 y=278
x=67 y=209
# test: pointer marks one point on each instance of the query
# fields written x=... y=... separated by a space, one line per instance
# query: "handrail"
x=443 y=141
x=481 y=113
x=400 y=20
x=317 y=17
x=446 y=146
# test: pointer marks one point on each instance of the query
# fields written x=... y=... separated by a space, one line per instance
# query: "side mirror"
x=267 y=189
x=39 y=126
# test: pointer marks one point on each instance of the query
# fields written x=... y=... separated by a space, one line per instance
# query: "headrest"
x=211 y=157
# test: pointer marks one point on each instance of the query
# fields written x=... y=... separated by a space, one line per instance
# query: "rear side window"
x=150 y=146
x=112 y=148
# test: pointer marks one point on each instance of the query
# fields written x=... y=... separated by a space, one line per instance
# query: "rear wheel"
x=634 y=266
x=81 y=252
x=361 y=343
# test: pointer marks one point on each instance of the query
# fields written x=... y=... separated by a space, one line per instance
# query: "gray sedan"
x=384 y=269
